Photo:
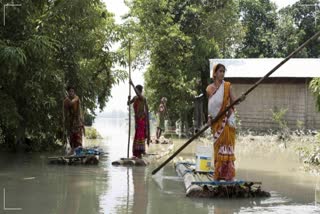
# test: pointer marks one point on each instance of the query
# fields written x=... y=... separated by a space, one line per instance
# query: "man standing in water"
x=161 y=114
x=141 y=121
x=73 y=119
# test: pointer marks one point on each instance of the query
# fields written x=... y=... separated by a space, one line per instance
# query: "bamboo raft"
x=158 y=151
x=73 y=160
x=89 y=156
x=202 y=184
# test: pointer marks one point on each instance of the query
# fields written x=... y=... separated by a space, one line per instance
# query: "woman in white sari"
x=219 y=97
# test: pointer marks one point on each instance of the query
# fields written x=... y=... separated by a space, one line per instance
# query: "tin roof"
x=259 y=67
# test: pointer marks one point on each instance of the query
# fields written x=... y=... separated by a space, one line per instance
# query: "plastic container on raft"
x=204 y=159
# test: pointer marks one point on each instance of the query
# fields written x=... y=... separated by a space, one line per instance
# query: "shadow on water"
x=36 y=187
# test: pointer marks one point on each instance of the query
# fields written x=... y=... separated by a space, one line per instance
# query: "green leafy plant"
x=278 y=116
x=92 y=133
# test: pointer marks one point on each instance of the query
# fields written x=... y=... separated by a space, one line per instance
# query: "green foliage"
x=88 y=119
x=306 y=14
x=278 y=116
x=318 y=137
x=179 y=37
x=238 y=121
x=300 y=125
x=296 y=24
x=315 y=88
x=259 y=19
x=92 y=133
x=45 y=46
x=268 y=33
x=176 y=39
x=288 y=36
x=310 y=153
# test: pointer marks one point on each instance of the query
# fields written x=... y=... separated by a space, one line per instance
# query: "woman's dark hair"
x=216 y=67
x=219 y=66
x=139 y=88
x=70 y=87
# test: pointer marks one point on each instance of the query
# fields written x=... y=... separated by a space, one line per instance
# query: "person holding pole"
x=141 y=121
x=237 y=101
x=220 y=96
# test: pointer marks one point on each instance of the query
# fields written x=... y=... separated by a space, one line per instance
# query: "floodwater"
x=30 y=185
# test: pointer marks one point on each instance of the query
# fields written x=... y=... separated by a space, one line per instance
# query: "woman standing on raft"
x=220 y=95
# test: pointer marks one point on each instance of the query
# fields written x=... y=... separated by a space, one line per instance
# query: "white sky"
x=120 y=92
x=283 y=3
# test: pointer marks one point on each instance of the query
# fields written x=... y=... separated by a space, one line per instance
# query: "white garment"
x=215 y=103
x=232 y=120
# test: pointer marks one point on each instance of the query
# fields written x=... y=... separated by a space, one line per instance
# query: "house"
x=287 y=88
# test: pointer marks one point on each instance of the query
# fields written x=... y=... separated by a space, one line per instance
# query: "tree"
x=178 y=38
x=315 y=87
x=288 y=36
x=259 y=18
x=305 y=16
x=46 y=45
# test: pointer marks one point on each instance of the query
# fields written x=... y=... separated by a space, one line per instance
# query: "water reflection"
x=140 y=187
x=317 y=194
x=136 y=191
x=108 y=189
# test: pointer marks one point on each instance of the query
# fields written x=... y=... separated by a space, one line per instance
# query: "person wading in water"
x=161 y=115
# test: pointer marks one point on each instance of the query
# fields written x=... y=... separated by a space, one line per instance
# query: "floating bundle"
x=202 y=184
x=157 y=152
x=89 y=156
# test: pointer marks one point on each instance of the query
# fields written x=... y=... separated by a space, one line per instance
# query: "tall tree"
x=306 y=14
x=288 y=36
x=259 y=19
x=46 y=45
x=179 y=37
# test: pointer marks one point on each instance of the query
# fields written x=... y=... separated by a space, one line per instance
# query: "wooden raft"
x=87 y=155
x=73 y=160
x=202 y=184
x=156 y=152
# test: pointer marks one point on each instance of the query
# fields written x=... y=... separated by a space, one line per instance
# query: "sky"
x=120 y=92
x=283 y=3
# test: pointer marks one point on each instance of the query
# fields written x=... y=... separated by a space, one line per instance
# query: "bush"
x=92 y=133
x=88 y=119
x=278 y=117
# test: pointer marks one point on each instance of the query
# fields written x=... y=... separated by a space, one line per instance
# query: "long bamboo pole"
x=129 y=97
x=235 y=102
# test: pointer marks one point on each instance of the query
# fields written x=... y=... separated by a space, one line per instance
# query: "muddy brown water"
x=30 y=185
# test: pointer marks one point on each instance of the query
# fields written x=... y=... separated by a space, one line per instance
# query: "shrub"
x=92 y=133
x=278 y=117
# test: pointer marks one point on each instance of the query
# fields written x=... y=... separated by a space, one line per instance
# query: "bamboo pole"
x=235 y=102
x=129 y=97
x=65 y=134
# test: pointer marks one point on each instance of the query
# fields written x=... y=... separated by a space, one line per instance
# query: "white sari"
x=215 y=103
